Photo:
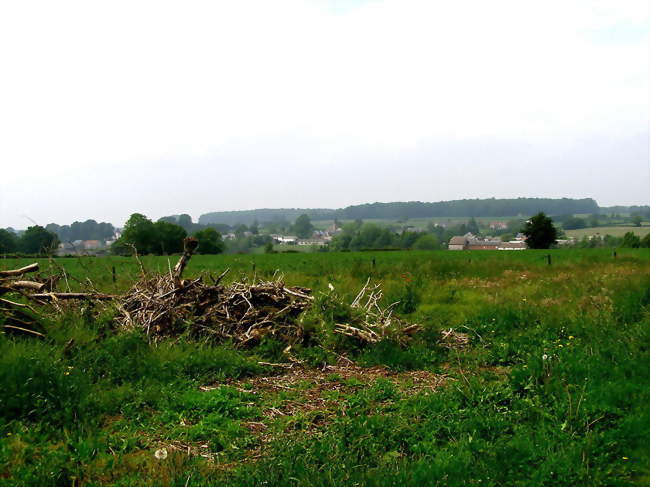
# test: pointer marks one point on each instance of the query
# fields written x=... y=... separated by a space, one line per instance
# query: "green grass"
x=615 y=231
x=552 y=389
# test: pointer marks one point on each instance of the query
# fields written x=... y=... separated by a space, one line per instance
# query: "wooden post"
x=373 y=263
x=549 y=259
x=114 y=277
x=615 y=254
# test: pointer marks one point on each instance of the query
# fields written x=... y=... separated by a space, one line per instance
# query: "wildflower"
x=571 y=337
x=625 y=458
x=544 y=357
x=161 y=454
x=67 y=372
x=561 y=346
x=329 y=285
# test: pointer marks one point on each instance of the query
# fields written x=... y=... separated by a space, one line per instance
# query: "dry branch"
x=31 y=285
x=19 y=272
x=67 y=296
x=373 y=322
x=164 y=305
x=20 y=317
x=189 y=246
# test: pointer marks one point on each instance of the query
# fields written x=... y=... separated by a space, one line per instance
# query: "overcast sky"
x=108 y=108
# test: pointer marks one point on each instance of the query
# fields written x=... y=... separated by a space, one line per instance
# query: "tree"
x=472 y=226
x=139 y=231
x=210 y=241
x=37 y=240
x=240 y=231
x=631 y=241
x=426 y=242
x=167 y=238
x=303 y=227
x=645 y=241
x=185 y=221
x=8 y=241
x=636 y=220
x=407 y=239
x=540 y=232
x=574 y=223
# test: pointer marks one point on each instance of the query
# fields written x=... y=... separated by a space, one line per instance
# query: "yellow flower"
x=561 y=346
x=571 y=337
x=625 y=458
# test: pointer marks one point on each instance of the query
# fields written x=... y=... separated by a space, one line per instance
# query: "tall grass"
x=552 y=391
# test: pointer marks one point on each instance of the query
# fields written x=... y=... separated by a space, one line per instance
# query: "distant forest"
x=491 y=207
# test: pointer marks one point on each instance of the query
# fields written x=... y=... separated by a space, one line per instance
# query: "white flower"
x=161 y=454
x=330 y=286
x=544 y=357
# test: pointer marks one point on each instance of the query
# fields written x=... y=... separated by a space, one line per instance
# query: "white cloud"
x=89 y=86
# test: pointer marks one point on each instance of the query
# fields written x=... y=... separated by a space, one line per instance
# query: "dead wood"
x=24 y=330
x=453 y=340
x=30 y=285
x=242 y=312
x=23 y=318
x=189 y=246
x=19 y=272
x=373 y=322
x=66 y=296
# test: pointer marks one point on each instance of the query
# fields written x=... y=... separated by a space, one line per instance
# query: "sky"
x=160 y=107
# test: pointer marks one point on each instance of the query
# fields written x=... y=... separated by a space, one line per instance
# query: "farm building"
x=458 y=243
x=512 y=245
x=472 y=242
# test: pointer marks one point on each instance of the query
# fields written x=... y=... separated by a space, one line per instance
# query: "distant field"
x=616 y=231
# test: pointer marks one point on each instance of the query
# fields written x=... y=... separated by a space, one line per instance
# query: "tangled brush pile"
x=166 y=306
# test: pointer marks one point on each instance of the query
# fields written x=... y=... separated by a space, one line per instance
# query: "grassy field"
x=616 y=231
x=551 y=387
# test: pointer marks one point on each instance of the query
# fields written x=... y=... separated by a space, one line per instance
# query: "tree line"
x=34 y=240
x=164 y=237
x=490 y=207
x=88 y=230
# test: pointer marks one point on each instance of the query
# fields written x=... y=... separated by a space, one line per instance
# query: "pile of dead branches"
x=21 y=317
x=165 y=305
x=375 y=323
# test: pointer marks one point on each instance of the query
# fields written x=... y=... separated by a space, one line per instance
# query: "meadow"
x=614 y=230
x=547 y=383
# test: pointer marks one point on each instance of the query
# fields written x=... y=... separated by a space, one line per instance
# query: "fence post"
x=548 y=257
x=114 y=277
